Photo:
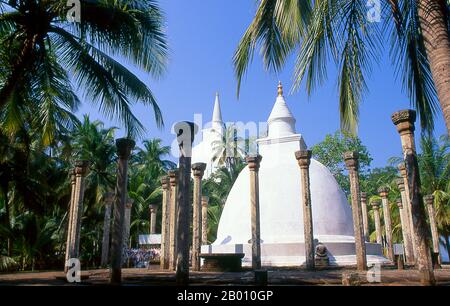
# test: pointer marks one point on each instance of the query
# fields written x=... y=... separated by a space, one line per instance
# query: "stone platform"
x=340 y=253
x=154 y=277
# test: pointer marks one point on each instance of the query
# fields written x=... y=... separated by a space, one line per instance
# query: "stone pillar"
x=405 y=233
x=205 y=201
x=304 y=160
x=164 y=254
x=352 y=164
x=253 y=165
x=81 y=170
x=126 y=230
x=429 y=201
x=124 y=147
x=404 y=121
x=198 y=170
x=407 y=208
x=376 y=215
x=153 y=211
x=185 y=136
x=108 y=199
x=384 y=192
x=365 y=216
x=406 y=226
x=173 y=177
x=70 y=219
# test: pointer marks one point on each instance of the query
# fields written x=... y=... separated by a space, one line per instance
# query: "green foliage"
x=35 y=193
x=147 y=167
x=49 y=59
x=330 y=153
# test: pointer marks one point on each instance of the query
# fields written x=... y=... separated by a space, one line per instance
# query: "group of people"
x=141 y=258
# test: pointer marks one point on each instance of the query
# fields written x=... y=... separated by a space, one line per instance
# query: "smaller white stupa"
x=281 y=214
x=205 y=151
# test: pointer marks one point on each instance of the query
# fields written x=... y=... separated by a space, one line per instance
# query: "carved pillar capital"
x=303 y=158
x=253 y=162
x=124 y=147
x=404 y=121
x=351 y=160
x=198 y=169
x=383 y=192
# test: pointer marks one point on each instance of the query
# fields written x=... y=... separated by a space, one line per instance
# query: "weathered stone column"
x=153 y=211
x=384 y=192
x=70 y=219
x=185 y=136
x=198 y=170
x=253 y=165
x=407 y=207
x=376 y=215
x=406 y=225
x=173 y=177
x=164 y=254
x=81 y=170
x=205 y=200
x=108 y=199
x=405 y=233
x=429 y=201
x=126 y=230
x=304 y=160
x=124 y=147
x=404 y=121
x=365 y=216
x=352 y=164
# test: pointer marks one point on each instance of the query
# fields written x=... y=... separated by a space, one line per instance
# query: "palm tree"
x=229 y=148
x=46 y=52
x=416 y=30
x=91 y=141
x=434 y=163
x=152 y=155
x=147 y=167
x=434 y=166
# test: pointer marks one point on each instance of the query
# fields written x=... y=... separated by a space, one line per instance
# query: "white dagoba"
x=204 y=151
x=281 y=212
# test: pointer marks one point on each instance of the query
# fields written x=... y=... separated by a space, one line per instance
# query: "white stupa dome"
x=281 y=213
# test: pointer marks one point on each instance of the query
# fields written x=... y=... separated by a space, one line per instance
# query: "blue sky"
x=203 y=36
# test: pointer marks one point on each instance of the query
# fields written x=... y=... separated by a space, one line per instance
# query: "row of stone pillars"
x=415 y=230
x=413 y=219
x=77 y=180
x=169 y=222
x=176 y=209
x=420 y=233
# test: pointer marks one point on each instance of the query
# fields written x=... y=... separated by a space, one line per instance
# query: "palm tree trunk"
x=18 y=70
x=433 y=22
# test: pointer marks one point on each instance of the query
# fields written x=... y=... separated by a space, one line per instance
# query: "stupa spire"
x=280 y=89
x=217 y=122
x=281 y=121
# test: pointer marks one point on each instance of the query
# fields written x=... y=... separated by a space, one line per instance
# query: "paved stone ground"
x=133 y=277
